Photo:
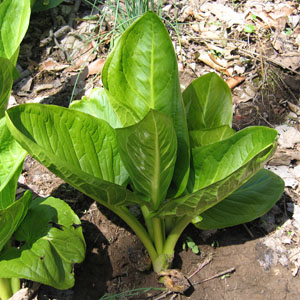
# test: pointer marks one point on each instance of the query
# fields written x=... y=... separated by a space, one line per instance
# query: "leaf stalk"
x=5 y=288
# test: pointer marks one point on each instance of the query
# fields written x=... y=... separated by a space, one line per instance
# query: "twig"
x=174 y=296
x=231 y=270
x=73 y=12
x=57 y=34
x=163 y=295
x=201 y=266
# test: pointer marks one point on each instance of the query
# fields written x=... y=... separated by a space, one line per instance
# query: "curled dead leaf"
x=175 y=281
x=206 y=58
x=235 y=81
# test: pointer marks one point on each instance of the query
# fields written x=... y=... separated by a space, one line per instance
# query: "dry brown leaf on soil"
x=96 y=66
x=274 y=18
x=287 y=60
x=175 y=281
x=235 y=81
x=224 y=13
x=51 y=65
x=207 y=59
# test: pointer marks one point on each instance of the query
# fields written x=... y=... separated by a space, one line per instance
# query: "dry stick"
x=57 y=34
x=163 y=295
x=73 y=12
x=201 y=266
x=231 y=270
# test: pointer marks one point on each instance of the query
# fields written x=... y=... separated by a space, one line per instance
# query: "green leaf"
x=249 y=28
x=221 y=168
x=6 y=82
x=252 y=200
x=77 y=147
x=12 y=216
x=148 y=150
x=215 y=162
x=208 y=103
x=11 y=161
x=97 y=105
x=141 y=74
x=53 y=241
x=41 y=5
x=209 y=136
x=14 y=21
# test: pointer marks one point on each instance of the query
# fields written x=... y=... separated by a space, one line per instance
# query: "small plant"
x=189 y=243
x=141 y=141
x=249 y=28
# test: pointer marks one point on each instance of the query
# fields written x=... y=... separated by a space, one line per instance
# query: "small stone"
x=296 y=171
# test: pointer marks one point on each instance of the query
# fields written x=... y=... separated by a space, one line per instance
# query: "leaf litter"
x=260 y=65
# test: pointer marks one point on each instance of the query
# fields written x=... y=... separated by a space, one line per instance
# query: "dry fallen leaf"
x=175 y=281
x=51 y=65
x=96 y=66
x=235 y=81
x=206 y=58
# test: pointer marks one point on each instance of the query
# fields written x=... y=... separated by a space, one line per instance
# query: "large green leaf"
x=53 y=241
x=14 y=21
x=221 y=168
x=252 y=200
x=148 y=150
x=12 y=216
x=217 y=161
x=11 y=160
x=141 y=74
x=6 y=82
x=209 y=136
x=208 y=103
x=97 y=105
x=77 y=147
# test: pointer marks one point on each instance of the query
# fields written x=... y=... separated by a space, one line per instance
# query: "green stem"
x=158 y=235
x=148 y=222
x=169 y=224
x=15 y=285
x=175 y=234
x=165 y=258
x=5 y=289
x=137 y=227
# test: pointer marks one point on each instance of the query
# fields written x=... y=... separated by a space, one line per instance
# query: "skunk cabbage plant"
x=40 y=239
x=140 y=141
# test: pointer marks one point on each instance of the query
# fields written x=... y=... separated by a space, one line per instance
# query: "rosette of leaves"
x=141 y=141
x=40 y=239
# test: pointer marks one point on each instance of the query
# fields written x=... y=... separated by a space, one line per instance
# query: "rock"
x=288 y=136
x=285 y=173
x=296 y=171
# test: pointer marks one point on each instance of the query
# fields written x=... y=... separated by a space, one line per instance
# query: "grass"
x=130 y=293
